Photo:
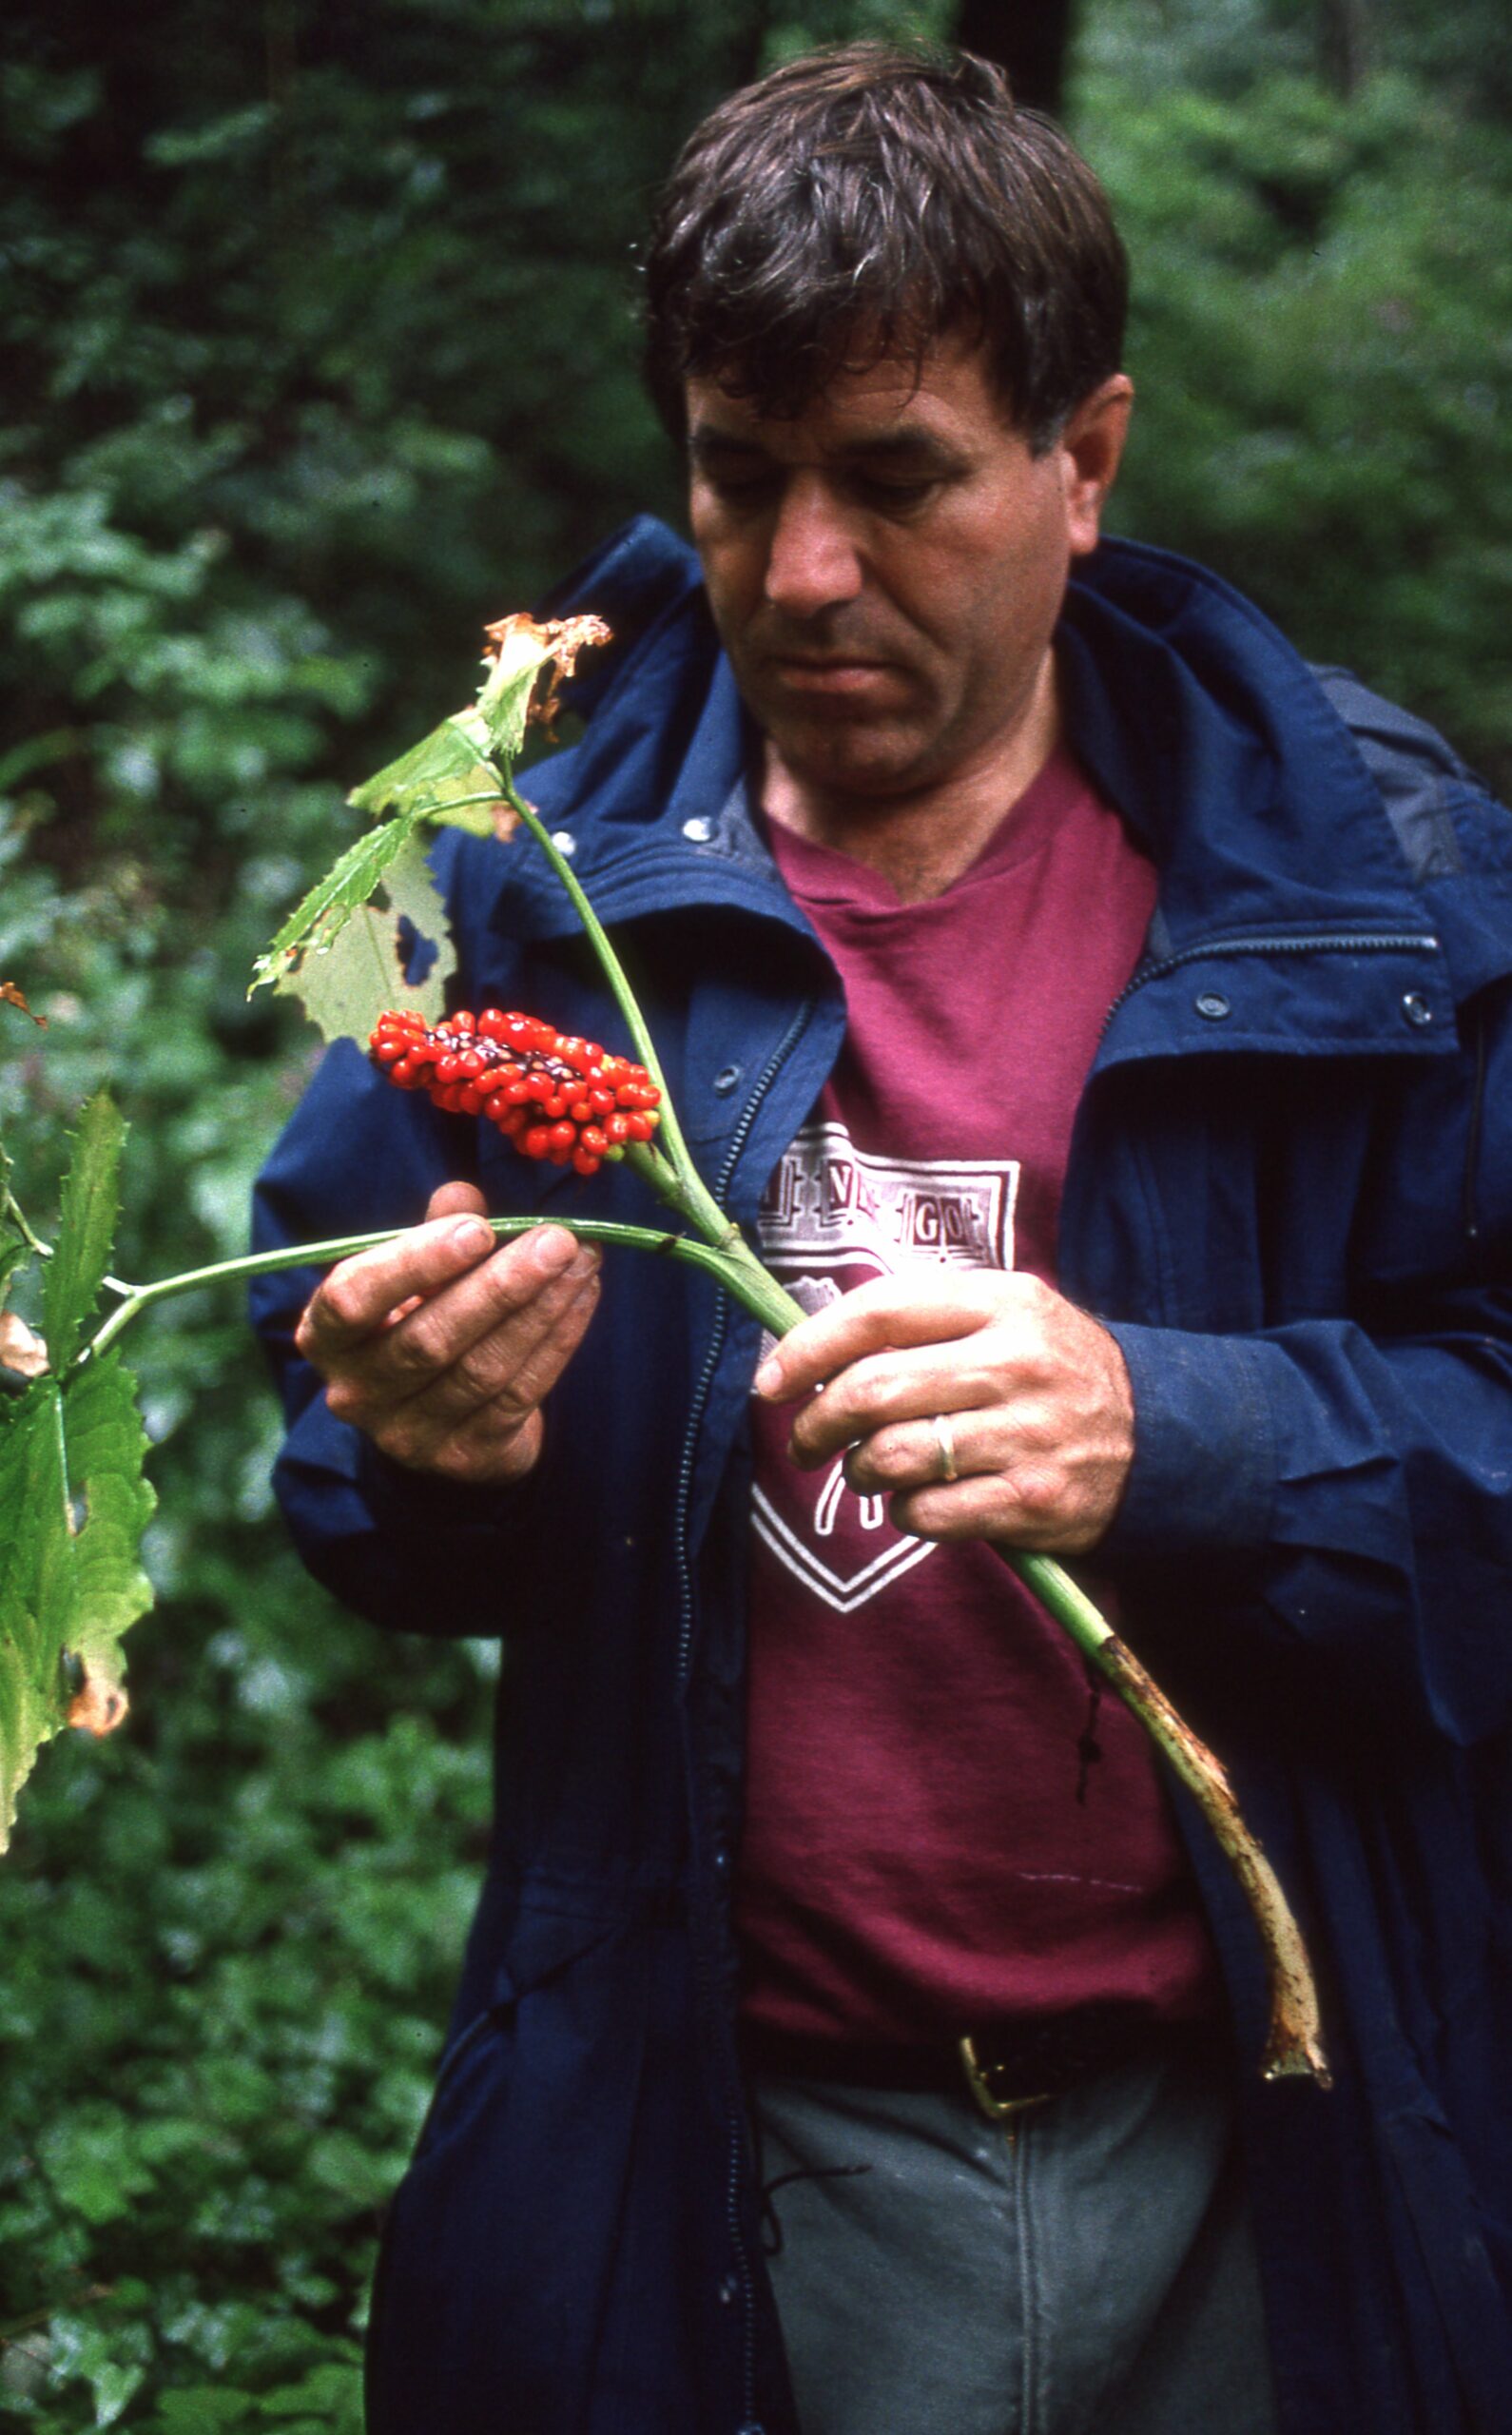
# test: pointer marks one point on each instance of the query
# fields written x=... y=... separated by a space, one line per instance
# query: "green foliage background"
x=320 y=324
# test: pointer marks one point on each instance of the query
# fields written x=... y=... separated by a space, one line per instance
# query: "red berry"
x=556 y=1094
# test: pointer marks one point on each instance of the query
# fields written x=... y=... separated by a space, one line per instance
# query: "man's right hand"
x=443 y=1345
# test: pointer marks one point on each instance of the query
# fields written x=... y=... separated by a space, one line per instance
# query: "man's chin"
x=847 y=757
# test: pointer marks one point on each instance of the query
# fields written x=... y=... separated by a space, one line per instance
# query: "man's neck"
x=920 y=841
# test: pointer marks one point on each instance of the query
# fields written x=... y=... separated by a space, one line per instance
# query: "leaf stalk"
x=34 y=1243
x=695 y=1199
x=736 y=1269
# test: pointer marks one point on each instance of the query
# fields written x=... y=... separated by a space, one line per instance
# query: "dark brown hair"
x=865 y=202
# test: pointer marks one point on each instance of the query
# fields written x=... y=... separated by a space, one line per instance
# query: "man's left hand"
x=1038 y=1413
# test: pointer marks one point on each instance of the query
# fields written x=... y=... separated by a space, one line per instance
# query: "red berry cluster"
x=552 y=1095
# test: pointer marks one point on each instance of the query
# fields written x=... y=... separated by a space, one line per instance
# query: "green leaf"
x=447 y=764
x=193 y=2409
x=104 y=1445
x=333 y=2391
x=74 y=1504
x=524 y=648
x=35 y=1589
x=110 y=2358
x=90 y=2156
x=87 y=1227
x=345 y=985
x=504 y=703
x=313 y=928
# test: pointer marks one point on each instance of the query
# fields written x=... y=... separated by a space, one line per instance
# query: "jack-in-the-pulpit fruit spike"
x=554 y=1096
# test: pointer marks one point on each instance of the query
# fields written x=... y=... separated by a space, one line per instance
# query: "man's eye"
x=740 y=485
x=893 y=493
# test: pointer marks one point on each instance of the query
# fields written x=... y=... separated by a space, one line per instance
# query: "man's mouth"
x=839 y=673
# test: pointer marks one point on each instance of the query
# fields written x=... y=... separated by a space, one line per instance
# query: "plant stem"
x=1294 y=2042
x=697 y=1201
x=13 y=1210
x=736 y=1269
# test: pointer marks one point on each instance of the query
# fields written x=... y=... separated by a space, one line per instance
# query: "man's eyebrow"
x=924 y=449
x=707 y=440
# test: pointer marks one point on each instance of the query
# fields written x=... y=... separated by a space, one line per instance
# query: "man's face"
x=886 y=571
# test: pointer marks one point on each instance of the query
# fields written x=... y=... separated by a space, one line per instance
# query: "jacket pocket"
x=475 y=2300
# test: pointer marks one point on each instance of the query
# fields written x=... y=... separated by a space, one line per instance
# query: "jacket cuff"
x=1203 y=1472
x=419 y=1501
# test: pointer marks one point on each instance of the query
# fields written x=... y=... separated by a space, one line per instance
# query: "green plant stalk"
x=13 y=1210
x=1294 y=2047
x=735 y=1268
x=695 y=1199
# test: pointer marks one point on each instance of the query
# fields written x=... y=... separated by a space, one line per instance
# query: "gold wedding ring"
x=946 y=1443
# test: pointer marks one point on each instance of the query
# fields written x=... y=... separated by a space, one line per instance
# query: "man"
x=1103 y=1021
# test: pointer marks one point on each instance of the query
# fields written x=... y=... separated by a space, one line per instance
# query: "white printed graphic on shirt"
x=832 y=1218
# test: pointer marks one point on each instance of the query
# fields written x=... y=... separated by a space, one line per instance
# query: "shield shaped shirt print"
x=833 y=1218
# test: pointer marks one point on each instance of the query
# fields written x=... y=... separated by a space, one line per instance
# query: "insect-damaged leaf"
x=346 y=961
x=104 y=1445
x=315 y=924
x=520 y=648
x=73 y=1506
x=74 y=1502
x=35 y=1603
x=442 y=777
x=345 y=986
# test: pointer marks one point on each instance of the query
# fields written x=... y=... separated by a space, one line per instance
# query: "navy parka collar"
x=1193 y=715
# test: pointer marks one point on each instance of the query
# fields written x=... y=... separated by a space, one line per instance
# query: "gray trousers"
x=1091 y=2268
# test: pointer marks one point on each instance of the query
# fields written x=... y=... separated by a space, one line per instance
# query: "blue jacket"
x=1291 y=1196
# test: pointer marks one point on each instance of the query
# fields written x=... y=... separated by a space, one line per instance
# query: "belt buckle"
x=979 y=2079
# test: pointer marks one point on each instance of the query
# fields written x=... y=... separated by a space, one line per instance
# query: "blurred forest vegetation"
x=321 y=325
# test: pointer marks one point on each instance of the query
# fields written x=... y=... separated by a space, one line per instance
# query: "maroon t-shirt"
x=947 y=1827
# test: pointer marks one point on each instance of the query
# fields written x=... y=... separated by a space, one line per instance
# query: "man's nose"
x=812 y=562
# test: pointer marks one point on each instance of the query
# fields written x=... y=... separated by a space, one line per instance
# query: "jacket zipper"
x=1320 y=942
x=684 y=1490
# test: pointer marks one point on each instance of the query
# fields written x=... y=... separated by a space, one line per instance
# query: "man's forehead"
x=941 y=392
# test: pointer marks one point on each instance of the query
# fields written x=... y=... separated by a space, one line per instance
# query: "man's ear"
x=1091 y=446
